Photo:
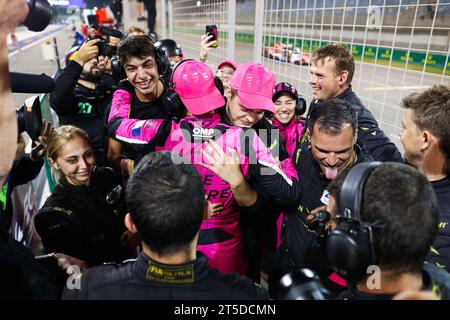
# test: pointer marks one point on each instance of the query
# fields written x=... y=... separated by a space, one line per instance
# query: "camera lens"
x=39 y=16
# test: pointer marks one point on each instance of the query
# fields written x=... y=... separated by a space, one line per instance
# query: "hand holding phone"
x=212 y=30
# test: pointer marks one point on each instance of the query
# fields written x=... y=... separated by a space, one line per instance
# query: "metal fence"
x=400 y=46
x=186 y=24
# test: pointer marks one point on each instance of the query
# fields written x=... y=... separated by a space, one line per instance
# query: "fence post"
x=259 y=30
x=170 y=11
x=126 y=15
x=231 y=28
x=163 y=19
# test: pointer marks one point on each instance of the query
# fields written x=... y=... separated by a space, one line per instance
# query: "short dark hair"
x=140 y=46
x=431 y=111
x=402 y=200
x=331 y=116
x=340 y=54
x=166 y=202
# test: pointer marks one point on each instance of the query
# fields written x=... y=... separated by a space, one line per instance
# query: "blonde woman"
x=83 y=217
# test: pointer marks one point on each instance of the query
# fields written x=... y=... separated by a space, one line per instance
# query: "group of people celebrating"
x=231 y=165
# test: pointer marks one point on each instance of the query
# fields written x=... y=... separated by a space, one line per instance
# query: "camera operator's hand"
x=39 y=147
x=12 y=13
x=312 y=215
x=87 y=52
x=206 y=46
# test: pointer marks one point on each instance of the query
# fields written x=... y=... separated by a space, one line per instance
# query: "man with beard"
x=82 y=94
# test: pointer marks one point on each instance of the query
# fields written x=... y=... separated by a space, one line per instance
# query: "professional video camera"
x=29 y=117
x=102 y=33
x=302 y=284
x=39 y=15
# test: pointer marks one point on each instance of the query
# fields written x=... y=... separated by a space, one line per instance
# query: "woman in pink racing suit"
x=193 y=82
x=288 y=107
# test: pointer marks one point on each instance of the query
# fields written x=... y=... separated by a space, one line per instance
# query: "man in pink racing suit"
x=220 y=237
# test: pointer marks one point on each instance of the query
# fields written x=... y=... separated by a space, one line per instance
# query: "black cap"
x=284 y=87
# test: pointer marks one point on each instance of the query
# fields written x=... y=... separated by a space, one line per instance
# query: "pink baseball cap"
x=254 y=84
x=230 y=63
x=194 y=83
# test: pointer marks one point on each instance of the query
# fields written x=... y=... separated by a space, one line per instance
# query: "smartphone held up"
x=212 y=30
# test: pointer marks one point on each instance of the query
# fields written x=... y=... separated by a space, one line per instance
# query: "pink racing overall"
x=291 y=134
x=220 y=238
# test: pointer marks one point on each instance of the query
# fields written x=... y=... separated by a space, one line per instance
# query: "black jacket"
x=434 y=279
x=145 y=278
x=301 y=239
x=370 y=136
x=79 y=221
x=440 y=250
x=22 y=276
x=82 y=107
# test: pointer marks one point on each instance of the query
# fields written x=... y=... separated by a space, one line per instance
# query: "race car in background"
x=287 y=53
x=277 y=52
x=297 y=57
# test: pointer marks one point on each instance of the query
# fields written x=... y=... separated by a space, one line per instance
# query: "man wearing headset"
x=400 y=208
x=426 y=141
x=142 y=69
x=202 y=138
x=328 y=148
x=331 y=76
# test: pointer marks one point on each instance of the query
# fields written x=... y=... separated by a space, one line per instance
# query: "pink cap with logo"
x=194 y=83
x=230 y=63
x=254 y=84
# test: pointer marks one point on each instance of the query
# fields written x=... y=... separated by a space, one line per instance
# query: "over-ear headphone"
x=300 y=106
x=172 y=102
x=350 y=246
x=161 y=60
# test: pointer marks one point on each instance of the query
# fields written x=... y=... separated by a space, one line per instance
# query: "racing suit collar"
x=154 y=271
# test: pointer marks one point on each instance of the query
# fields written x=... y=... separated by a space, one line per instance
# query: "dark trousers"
x=117 y=10
x=150 y=6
